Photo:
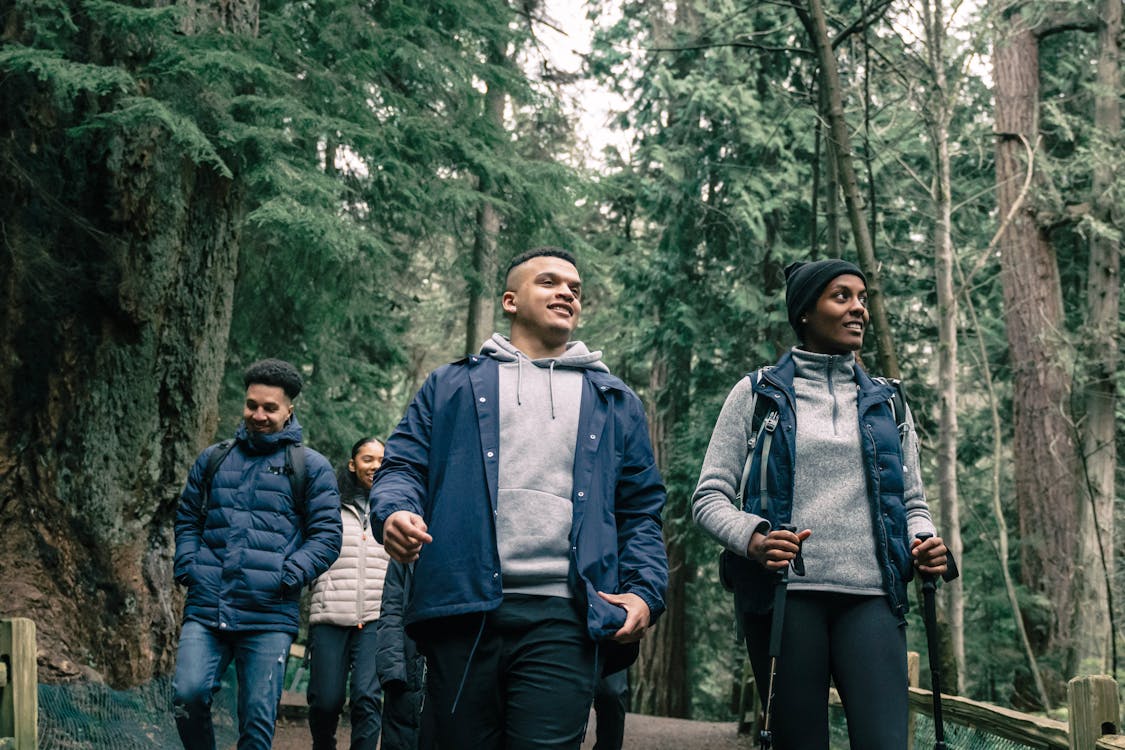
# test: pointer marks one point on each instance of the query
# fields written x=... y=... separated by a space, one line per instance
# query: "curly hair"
x=275 y=372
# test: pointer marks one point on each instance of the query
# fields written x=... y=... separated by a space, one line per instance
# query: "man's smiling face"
x=544 y=299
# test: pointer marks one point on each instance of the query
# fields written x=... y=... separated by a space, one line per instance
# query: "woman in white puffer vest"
x=345 y=605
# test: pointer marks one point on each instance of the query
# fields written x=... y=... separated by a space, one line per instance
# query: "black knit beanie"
x=805 y=281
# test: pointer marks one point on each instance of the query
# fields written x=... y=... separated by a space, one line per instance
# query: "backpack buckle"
x=771 y=421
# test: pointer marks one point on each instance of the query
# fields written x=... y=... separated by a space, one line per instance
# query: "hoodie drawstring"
x=468 y=663
x=519 y=377
x=551 y=386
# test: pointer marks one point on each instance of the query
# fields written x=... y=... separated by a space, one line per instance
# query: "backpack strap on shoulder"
x=762 y=427
x=898 y=404
x=298 y=476
x=219 y=453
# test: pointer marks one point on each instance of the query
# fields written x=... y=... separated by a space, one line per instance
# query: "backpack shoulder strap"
x=219 y=453
x=298 y=476
x=763 y=421
x=898 y=404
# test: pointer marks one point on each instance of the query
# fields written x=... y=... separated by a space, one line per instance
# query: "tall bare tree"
x=1099 y=446
x=939 y=114
x=481 y=319
x=1045 y=452
x=816 y=25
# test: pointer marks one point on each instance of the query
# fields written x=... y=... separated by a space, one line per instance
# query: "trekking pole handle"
x=798 y=562
x=929 y=580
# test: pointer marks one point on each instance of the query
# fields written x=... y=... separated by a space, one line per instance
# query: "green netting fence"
x=95 y=717
x=957 y=737
x=91 y=716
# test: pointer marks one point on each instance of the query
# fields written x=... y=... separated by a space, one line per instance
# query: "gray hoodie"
x=540 y=401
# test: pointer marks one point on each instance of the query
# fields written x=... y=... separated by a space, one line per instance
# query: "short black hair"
x=364 y=441
x=549 y=251
x=275 y=372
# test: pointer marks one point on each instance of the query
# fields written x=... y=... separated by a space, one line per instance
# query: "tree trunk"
x=660 y=684
x=1044 y=451
x=659 y=678
x=832 y=181
x=1092 y=626
x=938 y=118
x=119 y=270
x=838 y=127
x=481 y=320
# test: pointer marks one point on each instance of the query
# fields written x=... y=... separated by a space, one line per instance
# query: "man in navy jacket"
x=522 y=481
x=245 y=547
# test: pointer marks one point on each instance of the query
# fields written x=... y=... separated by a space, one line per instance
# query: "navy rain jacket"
x=442 y=463
x=246 y=558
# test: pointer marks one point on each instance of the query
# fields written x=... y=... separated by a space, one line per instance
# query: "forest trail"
x=641 y=733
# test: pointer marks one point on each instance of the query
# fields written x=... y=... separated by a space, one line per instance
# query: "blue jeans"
x=205 y=653
x=336 y=652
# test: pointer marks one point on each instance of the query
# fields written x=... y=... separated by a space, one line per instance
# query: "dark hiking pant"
x=611 y=701
x=516 y=678
x=854 y=640
x=335 y=653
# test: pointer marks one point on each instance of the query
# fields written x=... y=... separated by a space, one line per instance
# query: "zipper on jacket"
x=874 y=500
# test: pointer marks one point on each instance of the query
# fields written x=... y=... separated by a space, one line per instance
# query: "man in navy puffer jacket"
x=245 y=558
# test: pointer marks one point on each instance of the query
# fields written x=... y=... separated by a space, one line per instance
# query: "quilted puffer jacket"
x=350 y=593
x=246 y=557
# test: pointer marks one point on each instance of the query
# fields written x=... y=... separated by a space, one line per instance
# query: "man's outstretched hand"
x=404 y=533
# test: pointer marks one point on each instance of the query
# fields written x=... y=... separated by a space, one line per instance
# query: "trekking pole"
x=929 y=606
x=765 y=736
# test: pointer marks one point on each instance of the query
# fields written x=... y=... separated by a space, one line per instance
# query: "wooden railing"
x=19 y=686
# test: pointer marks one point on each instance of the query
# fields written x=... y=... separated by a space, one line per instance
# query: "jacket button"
x=222 y=624
x=495 y=575
x=482 y=399
x=593 y=437
x=581 y=494
x=490 y=454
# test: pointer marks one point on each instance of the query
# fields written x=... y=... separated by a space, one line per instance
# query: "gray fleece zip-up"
x=540 y=401
x=829 y=495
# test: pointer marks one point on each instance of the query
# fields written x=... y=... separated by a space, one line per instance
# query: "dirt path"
x=641 y=733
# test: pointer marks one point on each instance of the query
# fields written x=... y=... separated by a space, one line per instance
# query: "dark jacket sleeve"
x=322 y=529
x=642 y=558
x=390 y=638
x=189 y=521
x=402 y=481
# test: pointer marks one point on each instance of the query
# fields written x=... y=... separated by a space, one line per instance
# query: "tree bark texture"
x=659 y=677
x=660 y=684
x=841 y=142
x=481 y=320
x=1044 y=447
x=1093 y=644
x=118 y=273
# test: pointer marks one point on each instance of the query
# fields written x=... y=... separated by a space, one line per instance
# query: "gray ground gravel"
x=641 y=733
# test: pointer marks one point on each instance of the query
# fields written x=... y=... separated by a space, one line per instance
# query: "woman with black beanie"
x=828 y=486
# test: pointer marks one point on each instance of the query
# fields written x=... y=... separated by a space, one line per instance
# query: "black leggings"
x=855 y=640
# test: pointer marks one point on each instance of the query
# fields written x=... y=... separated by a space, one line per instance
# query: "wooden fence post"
x=1094 y=709
x=19 y=696
x=913 y=676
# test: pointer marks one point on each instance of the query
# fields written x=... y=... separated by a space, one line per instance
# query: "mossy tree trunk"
x=119 y=262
